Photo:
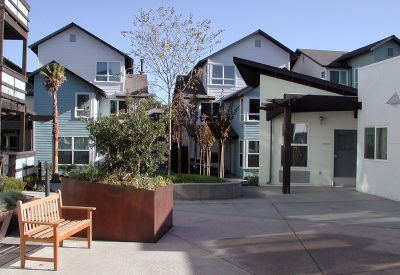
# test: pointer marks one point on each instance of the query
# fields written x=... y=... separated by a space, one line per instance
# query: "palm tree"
x=53 y=78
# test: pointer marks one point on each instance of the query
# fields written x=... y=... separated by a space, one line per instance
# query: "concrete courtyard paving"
x=313 y=230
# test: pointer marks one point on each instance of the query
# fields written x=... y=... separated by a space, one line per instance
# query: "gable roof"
x=293 y=55
x=250 y=71
x=97 y=89
x=34 y=46
x=324 y=58
x=368 y=48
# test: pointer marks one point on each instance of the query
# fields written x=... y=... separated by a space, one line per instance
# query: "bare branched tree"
x=170 y=45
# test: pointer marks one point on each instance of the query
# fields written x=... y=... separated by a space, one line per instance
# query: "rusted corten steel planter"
x=122 y=213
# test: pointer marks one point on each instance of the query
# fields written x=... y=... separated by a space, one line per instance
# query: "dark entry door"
x=345 y=158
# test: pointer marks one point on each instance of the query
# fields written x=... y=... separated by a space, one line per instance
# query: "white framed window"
x=249 y=153
x=390 y=52
x=83 y=104
x=356 y=78
x=323 y=74
x=108 y=71
x=257 y=43
x=250 y=109
x=376 y=143
x=222 y=74
x=73 y=150
x=299 y=144
x=339 y=77
x=72 y=37
x=117 y=105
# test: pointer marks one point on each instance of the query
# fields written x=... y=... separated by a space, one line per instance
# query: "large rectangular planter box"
x=122 y=213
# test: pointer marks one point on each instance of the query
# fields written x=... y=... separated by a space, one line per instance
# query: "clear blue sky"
x=311 y=24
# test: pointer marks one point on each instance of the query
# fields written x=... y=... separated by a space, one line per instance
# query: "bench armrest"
x=78 y=208
x=43 y=223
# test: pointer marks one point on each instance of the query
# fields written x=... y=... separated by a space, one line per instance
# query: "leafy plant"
x=253 y=179
x=88 y=173
x=11 y=184
x=8 y=199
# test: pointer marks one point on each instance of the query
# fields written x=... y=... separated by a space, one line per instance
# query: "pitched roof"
x=237 y=94
x=250 y=71
x=135 y=85
x=97 y=89
x=367 y=48
x=293 y=55
x=197 y=88
x=324 y=58
x=34 y=46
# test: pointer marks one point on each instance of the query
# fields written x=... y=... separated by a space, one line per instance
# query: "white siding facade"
x=377 y=84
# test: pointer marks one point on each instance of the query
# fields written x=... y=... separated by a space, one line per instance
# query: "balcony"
x=18 y=10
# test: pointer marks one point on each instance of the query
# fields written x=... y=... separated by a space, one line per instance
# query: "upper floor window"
x=258 y=43
x=222 y=75
x=376 y=143
x=9 y=141
x=390 y=52
x=82 y=105
x=356 y=78
x=339 y=77
x=249 y=109
x=108 y=71
x=117 y=105
x=72 y=37
x=323 y=74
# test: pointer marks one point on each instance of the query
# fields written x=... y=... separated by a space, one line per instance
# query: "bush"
x=96 y=174
x=8 y=199
x=30 y=182
x=11 y=184
x=253 y=179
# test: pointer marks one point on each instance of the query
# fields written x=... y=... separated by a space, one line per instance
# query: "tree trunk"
x=189 y=147
x=201 y=157
x=55 y=138
x=209 y=162
x=180 y=156
x=221 y=166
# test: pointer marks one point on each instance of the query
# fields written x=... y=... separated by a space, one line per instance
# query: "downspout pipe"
x=270 y=152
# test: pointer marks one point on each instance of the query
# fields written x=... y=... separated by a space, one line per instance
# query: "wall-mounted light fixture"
x=321 y=118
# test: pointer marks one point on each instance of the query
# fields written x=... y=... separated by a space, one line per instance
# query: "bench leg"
x=89 y=236
x=22 y=252
x=61 y=243
x=55 y=247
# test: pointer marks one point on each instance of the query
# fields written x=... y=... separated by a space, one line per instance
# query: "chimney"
x=141 y=66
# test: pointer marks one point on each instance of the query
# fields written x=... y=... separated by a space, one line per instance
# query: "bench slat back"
x=43 y=210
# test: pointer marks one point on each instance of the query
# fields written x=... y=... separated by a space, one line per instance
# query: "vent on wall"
x=258 y=43
x=72 y=37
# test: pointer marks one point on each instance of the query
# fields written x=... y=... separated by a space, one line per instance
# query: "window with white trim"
x=299 y=145
x=323 y=74
x=339 y=77
x=73 y=150
x=117 y=105
x=249 y=153
x=249 y=109
x=82 y=104
x=222 y=74
x=9 y=141
x=356 y=78
x=376 y=143
x=108 y=71
x=208 y=108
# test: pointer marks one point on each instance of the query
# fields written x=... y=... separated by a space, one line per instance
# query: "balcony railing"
x=13 y=83
x=20 y=9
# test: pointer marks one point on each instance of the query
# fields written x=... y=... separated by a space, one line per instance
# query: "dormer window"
x=72 y=37
x=108 y=71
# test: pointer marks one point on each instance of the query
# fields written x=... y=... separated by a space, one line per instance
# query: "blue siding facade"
x=68 y=124
x=246 y=130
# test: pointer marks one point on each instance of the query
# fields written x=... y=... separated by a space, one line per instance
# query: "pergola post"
x=287 y=147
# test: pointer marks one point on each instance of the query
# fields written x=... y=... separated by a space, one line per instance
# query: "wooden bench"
x=42 y=221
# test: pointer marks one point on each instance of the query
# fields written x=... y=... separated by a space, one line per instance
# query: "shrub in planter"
x=130 y=205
